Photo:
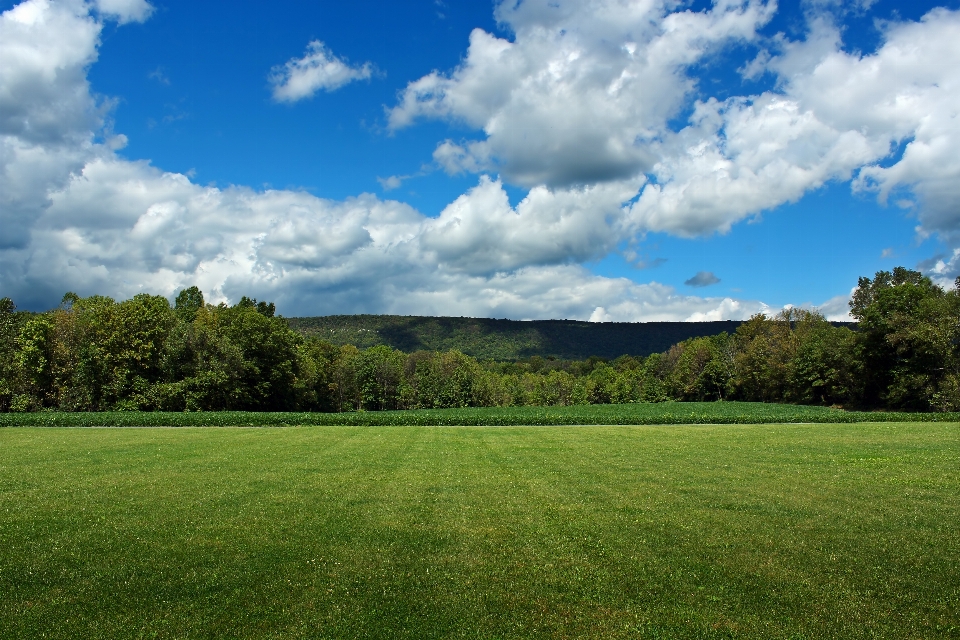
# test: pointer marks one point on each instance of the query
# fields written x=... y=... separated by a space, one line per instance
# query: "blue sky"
x=611 y=160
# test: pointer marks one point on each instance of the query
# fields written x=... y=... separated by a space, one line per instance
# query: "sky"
x=605 y=160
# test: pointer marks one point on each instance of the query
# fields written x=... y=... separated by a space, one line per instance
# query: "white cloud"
x=480 y=233
x=576 y=106
x=943 y=270
x=125 y=10
x=318 y=69
x=456 y=159
x=94 y=222
x=836 y=116
x=840 y=6
x=742 y=156
x=122 y=227
x=580 y=92
x=47 y=114
x=909 y=92
x=726 y=310
x=584 y=91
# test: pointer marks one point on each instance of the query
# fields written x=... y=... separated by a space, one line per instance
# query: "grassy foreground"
x=594 y=414
x=737 y=531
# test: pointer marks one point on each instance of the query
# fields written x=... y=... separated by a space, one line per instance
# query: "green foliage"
x=665 y=413
x=507 y=340
x=379 y=372
x=701 y=368
x=909 y=332
x=35 y=360
x=189 y=302
x=140 y=354
x=822 y=370
x=442 y=380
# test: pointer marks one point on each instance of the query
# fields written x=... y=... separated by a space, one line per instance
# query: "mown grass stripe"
x=730 y=531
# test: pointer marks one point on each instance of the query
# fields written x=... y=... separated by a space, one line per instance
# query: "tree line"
x=95 y=354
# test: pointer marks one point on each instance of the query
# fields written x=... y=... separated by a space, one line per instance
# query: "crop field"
x=597 y=414
x=710 y=531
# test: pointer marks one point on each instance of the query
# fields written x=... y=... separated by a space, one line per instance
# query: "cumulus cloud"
x=95 y=222
x=584 y=93
x=702 y=279
x=480 y=233
x=835 y=116
x=47 y=114
x=456 y=159
x=124 y=227
x=580 y=92
x=575 y=107
x=740 y=157
x=943 y=269
x=318 y=69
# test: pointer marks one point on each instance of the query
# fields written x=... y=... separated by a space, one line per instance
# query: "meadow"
x=710 y=531
x=641 y=413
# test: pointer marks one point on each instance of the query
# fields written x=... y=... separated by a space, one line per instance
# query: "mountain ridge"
x=501 y=339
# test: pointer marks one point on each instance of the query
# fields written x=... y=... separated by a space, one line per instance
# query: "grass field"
x=595 y=414
x=733 y=531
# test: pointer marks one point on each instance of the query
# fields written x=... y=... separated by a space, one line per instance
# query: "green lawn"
x=733 y=531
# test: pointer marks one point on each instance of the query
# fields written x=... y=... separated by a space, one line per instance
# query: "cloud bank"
x=580 y=107
x=585 y=93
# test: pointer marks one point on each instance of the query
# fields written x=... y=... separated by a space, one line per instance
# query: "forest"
x=144 y=354
x=501 y=339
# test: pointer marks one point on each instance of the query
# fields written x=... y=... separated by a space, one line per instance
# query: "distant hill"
x=487 y=338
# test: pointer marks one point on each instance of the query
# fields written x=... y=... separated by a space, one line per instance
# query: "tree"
x=35 y=361
x=379 y=372
x=701 y=369
x=315 y=390
x=763 y=350
x=269 y=351
x=444 y=379
x=343 y=378
x=9 y=330
x=908 y=337
x=823 y=370
x=189 y=301
x=601 y=384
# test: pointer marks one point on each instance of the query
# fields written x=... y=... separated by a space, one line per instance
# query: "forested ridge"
x=495 y=339
x=95 y=353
